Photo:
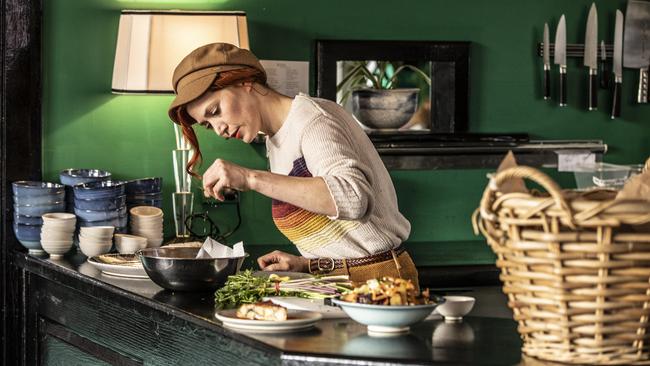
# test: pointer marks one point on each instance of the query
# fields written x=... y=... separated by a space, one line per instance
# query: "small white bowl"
x=56 y=235
x=58 y=217
x=455 y=307
x=145 y=212
x=56 y=248
x=93 y=248
x=97 y=231
x=154 y=243
x=129 y=244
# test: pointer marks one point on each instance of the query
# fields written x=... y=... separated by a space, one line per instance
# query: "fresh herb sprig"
x=245 y=288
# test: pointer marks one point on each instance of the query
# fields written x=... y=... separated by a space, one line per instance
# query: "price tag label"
x=567 y=161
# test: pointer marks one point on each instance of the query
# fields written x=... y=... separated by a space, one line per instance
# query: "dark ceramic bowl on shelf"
x=25 y=188
x=144 y=186
x=100 y=204
x=45 y=199
x=178 y=269
x=28 y=220
x=71 y=177
x=38 y=210
x=99 y=190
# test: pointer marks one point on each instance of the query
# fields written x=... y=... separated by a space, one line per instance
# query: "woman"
x=332 y=196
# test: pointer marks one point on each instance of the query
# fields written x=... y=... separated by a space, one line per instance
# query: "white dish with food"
x=296 y=320
x=120 y=265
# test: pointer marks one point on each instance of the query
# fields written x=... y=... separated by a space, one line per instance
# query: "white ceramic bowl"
x=129 y=244
x=56 y=248
x=154 y=243
x=94 y=248
x=386 y=318
x=456 y=307
x=58 y=216
x=145 y=212
x=56 y=235
x=97 y=231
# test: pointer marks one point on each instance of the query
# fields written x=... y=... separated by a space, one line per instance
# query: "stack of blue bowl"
x=101 y=203
x=31 y=200
x=144 y=192
x=72 y=177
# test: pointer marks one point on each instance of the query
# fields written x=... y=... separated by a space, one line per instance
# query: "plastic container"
x=601 y=175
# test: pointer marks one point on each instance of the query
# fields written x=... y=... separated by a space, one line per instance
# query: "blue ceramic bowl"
x=91 y=216
x=144 y=196
x=71 y=177
x=386 y=318
x=96 y=190
x=144 y=185
x=39 y=210
x=155 y=203
x=47 y=199
x=100 y=204
x=25 y=188
x=28 y=220
x=27 y=232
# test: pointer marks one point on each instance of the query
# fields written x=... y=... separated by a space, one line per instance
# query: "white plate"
x=314 y=305
x=121 y=265
x=296 y=320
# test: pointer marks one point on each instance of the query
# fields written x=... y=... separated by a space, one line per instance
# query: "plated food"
x=263 y=310
x=387 y=291
x=387 y=305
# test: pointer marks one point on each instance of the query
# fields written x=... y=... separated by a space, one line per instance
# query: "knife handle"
x=562 y=86
x=547 y=82
x=593 y=89
x=643 y=86
x=604 y=75
x=616 y=103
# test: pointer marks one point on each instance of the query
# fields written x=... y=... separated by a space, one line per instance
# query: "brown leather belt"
x=326 y=265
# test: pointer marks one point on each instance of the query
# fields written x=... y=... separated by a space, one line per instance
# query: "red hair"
x=223 y=80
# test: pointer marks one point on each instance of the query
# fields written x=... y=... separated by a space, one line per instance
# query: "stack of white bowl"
x=147 y=221
x=57 y=233
x=96 y=240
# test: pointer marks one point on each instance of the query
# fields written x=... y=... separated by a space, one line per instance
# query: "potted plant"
x=376 y=101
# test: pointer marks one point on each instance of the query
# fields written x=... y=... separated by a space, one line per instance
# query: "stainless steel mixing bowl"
x=178 y=269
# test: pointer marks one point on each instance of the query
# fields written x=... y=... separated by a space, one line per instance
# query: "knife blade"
x=547 y=64
x=617 y=67
x=560 y=57
x=590 y=57
x=636 y=43
x=604 y=72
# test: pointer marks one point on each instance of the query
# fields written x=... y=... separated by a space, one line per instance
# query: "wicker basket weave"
x=575 y=267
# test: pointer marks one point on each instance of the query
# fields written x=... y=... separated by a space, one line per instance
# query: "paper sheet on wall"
x=287 y=77
x=568 y=160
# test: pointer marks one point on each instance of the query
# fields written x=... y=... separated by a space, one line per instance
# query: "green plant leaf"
x=417 y=71
x=349 y=76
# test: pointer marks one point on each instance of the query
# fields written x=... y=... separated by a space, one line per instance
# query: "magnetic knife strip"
x=574 y=50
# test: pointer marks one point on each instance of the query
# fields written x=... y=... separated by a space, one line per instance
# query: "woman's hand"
x=223 y=174
x=281 y=261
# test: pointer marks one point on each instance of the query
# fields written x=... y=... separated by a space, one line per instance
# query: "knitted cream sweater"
x=320 y=139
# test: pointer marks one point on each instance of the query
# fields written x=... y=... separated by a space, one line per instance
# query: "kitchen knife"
x=547 y=64
x=636 y=43
x=591 y=56
x=604 y=72
x=617 y=66
x=560 y=57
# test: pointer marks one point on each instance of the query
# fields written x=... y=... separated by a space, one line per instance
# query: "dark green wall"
x=86 y=126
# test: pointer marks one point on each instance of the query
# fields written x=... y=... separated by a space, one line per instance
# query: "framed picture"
x=435 y=75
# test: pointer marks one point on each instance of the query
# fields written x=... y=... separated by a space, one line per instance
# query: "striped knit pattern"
x=306 y=229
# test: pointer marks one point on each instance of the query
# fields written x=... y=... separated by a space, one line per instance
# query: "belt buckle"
x=325 y=269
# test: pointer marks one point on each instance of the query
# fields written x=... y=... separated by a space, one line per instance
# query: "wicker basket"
x=575 y=267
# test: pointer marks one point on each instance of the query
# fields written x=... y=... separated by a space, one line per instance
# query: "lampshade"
x=151 y=43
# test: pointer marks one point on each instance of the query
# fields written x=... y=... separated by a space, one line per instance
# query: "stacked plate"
x=32 y=200
x=101 y=204
x=57 y=233
x=72 y=177
x=144 y=192
x=147 y=221
x=96 y=240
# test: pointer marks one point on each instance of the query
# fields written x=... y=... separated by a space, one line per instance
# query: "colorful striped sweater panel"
x=307 y=230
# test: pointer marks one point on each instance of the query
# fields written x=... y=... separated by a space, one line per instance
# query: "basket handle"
x=524 y=172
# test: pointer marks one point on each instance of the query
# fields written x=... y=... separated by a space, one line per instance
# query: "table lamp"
x=150 y=43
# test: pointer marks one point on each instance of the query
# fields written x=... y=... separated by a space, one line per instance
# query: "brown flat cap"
x=198 y=70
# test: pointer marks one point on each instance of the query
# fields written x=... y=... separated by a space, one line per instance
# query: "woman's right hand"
x=281 y=261
x=223 y=174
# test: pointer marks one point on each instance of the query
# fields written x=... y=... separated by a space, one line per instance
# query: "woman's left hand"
x=281 y=261
x=223 y=174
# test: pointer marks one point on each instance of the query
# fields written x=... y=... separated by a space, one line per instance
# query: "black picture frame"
x=449 y=92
